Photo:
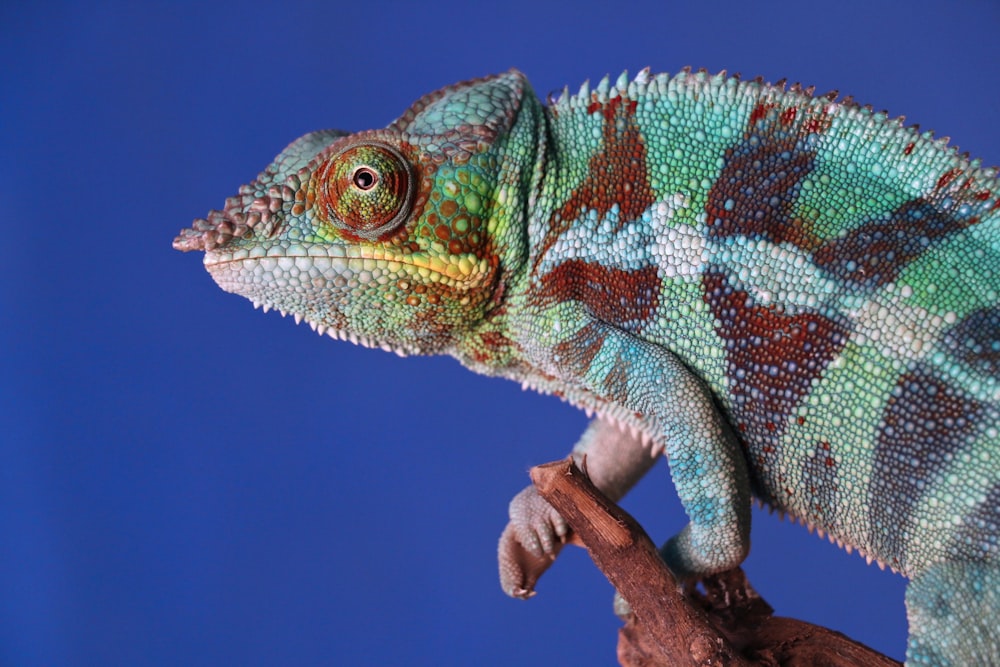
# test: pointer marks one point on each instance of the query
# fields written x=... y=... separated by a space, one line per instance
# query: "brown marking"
x=772 y=357
x=616 y=174
x=909 y=148
x=761 y=177
x=448 y=207
x=924 y=424
x=948 y=177
x=611 y=295
x=874 y=253
x=760 y=112
x=817 y=123
x=975 y=339
x=616 y=381
x=577 y=352
x=762 y=185
x=967 y=543
x=493 y=345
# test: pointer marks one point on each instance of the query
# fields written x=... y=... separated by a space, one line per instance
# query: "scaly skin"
x=791 y=297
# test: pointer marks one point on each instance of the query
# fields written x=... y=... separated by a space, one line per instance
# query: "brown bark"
x=727 y=624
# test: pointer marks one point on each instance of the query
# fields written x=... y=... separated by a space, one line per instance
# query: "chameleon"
x=792 y=297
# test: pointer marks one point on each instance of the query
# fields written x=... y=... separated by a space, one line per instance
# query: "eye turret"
x=366 y=189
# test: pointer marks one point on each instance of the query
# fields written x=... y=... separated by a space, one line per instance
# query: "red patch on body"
x=925 y=424
x=494 y=346
x=756 y=190
x=816 y=124
x=874 y=253
x=616 y=381
x=611 y=295
x=947 y=177
x=616 y=174
x=760 y=111
x=578 y=351
x=772 y=357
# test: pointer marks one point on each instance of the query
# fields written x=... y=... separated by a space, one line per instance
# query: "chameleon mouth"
x=317 y=289
x=365 y=263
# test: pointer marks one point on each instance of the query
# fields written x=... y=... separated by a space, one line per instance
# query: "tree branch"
x=728 y=624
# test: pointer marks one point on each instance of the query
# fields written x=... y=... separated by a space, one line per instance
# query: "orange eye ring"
x=366 y=189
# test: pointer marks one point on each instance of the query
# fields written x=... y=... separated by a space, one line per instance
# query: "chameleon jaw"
x=357 y=293
x=336 y=262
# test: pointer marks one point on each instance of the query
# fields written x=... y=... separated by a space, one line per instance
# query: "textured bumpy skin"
x=793 y=298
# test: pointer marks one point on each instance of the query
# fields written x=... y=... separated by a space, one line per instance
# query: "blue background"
x=184 y=480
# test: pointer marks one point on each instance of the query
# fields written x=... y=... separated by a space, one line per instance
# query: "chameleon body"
x=794 y=298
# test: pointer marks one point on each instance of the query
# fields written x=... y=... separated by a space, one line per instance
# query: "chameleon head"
x=403 y=237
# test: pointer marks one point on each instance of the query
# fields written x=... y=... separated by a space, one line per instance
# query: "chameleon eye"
x=366 y=189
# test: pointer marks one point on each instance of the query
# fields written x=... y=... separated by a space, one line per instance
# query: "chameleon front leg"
x=614 y=459
x=641 y=381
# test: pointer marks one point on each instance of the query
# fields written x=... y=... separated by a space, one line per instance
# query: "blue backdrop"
x=184 y=480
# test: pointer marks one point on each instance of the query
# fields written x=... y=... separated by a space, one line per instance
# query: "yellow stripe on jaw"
x=450 y=269
x=456 y=267
x=466 y=269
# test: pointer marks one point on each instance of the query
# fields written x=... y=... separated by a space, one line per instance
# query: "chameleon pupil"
x=365 y=178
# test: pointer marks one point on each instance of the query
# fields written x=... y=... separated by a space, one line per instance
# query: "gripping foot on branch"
x=727 y=624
